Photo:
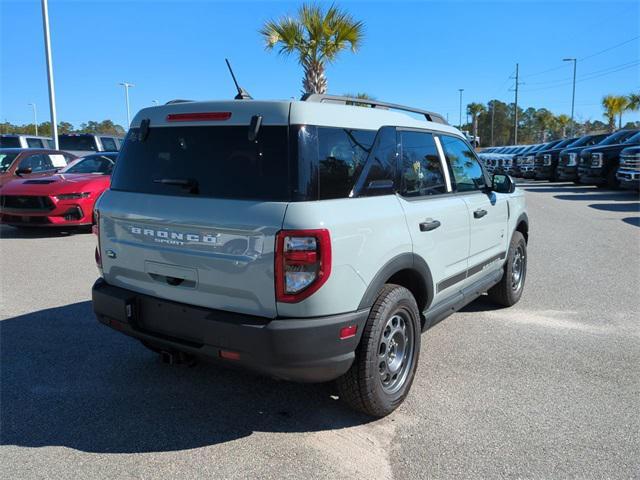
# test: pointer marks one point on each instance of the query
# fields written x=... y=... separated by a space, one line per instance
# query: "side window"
x=341 y=153
x=34 y=143
x=466 y=170
x=109 y=144
x=420 y=167
x=37 y=163
x=379 y=174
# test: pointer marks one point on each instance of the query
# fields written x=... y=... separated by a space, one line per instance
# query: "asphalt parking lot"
x=547 y=389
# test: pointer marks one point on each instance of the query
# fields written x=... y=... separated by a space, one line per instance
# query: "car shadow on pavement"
x=35 y=232
x=67 y=380
x=617 y=207
x=618 y=196
x=635 y=221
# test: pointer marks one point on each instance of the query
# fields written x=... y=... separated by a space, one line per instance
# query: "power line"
x=591 y=75
x=584 y=58
x=610 y=48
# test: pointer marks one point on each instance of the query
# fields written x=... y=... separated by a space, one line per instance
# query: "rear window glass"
x=9 y=142
x=217 y=162
x=86 y=143
x=331 y=160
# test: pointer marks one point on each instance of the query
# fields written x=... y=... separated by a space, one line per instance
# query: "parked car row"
x=51 y=188
x=605 y=160
x=71 y=142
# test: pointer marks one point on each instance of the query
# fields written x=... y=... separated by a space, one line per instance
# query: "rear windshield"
x=9 y=142
x=216 y=162
x=87 y=143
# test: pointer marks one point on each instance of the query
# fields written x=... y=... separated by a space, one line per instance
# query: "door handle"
x=479 y=213
x=430 y=225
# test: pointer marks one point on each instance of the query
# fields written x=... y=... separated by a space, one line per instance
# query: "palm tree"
x=317 y=37
x=563 y=122
x=633 y=102
x=475 y=109
x=544 y=121
x=614 y=105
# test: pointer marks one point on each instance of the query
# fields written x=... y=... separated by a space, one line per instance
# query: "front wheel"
x=386 y=358
x=509 y=290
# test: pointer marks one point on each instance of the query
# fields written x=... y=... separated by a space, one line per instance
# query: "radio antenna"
x=242 y=93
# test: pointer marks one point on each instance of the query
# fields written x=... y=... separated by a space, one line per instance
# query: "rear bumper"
x=305 y=350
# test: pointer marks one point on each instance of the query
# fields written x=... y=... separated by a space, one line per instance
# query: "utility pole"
x=126 y=86
x=460 y=119
x=35 y=116
x=515 y=110
x=493 y=116
x=52 y=92
x=573 y=95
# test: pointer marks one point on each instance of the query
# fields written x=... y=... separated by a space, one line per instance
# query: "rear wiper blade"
x=187 y=183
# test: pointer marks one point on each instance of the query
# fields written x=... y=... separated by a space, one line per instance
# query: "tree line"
x=494 y=122
x=105 y=127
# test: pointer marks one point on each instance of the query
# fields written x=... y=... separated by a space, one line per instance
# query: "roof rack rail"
x=320 y=98
x=177 y=100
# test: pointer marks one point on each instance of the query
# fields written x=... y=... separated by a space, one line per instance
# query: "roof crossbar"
x=323 y=98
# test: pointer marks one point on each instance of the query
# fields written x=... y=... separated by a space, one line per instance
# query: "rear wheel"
x=509 y=290
x=386 y=358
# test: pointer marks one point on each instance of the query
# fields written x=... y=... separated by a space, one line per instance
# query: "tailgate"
x=214 y=253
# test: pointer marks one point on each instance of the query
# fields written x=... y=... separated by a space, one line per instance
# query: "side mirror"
x=503 y=184
x=23 y=171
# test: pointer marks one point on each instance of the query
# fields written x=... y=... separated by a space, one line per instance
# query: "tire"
x=509 y=290
x=393 y=326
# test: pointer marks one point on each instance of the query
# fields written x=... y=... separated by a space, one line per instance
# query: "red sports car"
x=63 y=199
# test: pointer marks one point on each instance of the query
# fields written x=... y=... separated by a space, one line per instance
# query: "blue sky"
x=417 y=53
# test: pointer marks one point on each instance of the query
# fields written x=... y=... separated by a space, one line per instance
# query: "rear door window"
x=216 y=162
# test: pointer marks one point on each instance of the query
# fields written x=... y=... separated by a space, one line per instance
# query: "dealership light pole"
x=35 y=116
x=52 y=92
x=460 y=90
x=126 y=86
x=573 y=95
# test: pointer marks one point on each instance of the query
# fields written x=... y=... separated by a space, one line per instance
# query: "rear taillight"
x=96 y=231
x=303 y=263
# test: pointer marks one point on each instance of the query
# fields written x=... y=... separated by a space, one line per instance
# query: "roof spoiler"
x=323 y=98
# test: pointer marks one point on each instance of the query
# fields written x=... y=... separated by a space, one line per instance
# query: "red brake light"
x=302 y=263
x=198 y=117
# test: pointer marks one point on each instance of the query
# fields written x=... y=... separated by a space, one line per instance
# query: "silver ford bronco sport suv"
x=309 y=240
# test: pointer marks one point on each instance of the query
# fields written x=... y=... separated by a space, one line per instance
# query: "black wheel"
x=509 y=290
x=385 y=364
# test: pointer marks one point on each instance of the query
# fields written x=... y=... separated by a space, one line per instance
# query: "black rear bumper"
x=305 y=350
